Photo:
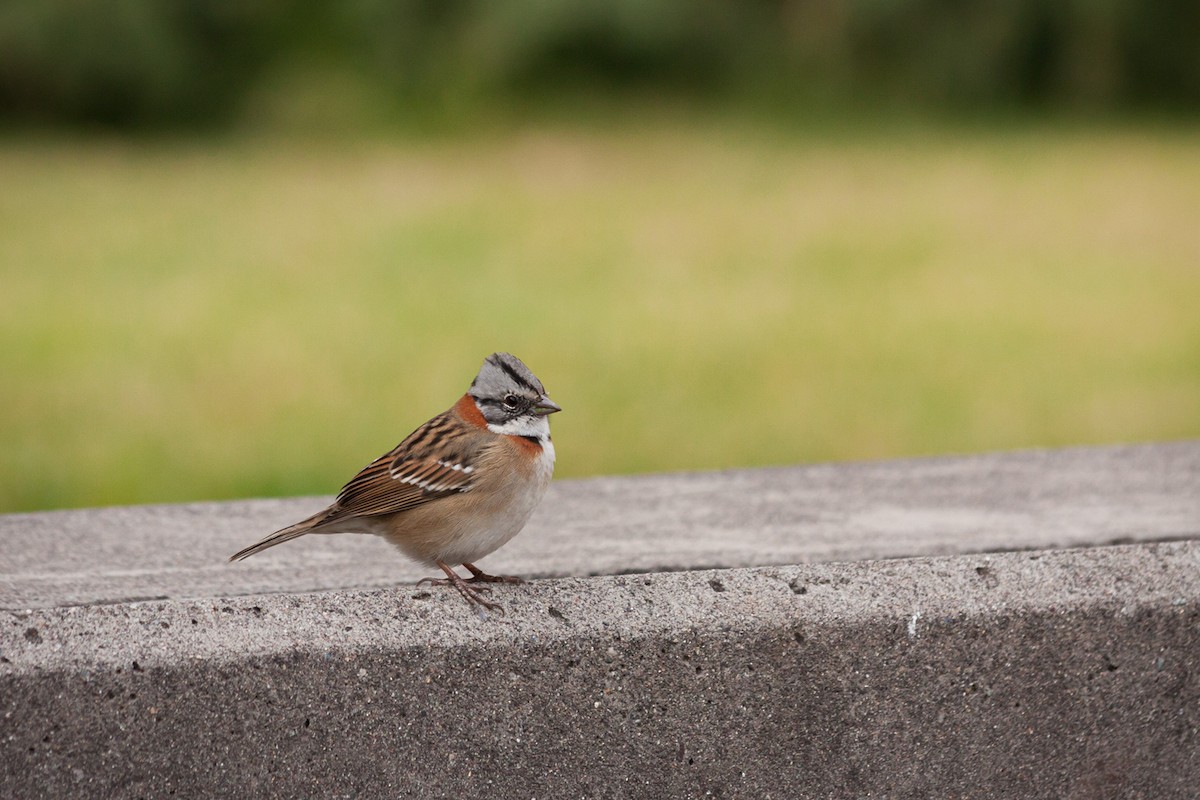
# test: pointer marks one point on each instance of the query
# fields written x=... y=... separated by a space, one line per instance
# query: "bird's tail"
x=282 y=535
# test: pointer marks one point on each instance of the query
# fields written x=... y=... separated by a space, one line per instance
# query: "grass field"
x=192 y=320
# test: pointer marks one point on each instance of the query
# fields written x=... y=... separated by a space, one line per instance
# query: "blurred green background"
x=245 y=247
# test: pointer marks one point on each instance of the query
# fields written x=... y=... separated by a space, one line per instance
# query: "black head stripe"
x=512 y=373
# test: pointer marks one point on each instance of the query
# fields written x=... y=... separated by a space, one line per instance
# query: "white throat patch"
x=527 y=425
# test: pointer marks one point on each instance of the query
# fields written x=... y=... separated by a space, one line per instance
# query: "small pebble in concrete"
x=912 y=624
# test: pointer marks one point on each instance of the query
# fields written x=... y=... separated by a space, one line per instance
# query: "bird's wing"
x=435 y=460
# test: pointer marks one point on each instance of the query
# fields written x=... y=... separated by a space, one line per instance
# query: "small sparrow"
x=459 y=486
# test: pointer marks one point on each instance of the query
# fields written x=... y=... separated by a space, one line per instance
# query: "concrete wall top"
x=654 y=523
x=1021 y=625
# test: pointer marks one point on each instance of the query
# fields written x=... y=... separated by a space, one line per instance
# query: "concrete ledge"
x=1048 y=673
x=653 y=523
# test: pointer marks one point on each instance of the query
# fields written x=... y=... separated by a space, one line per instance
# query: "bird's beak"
x=546 y=406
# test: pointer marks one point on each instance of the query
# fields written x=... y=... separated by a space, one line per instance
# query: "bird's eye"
x=510 y=401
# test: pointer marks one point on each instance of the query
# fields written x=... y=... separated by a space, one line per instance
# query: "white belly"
x=486 y=531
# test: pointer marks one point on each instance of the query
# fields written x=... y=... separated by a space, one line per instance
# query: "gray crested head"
x=505 y=390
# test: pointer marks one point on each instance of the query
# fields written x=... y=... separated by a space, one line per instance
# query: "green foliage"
x=130 y=62
x=139 y=61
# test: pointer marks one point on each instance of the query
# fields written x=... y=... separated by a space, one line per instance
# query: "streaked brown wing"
x=432 y=462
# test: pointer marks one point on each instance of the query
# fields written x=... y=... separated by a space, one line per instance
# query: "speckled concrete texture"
x=1070 y=673
x=605 y=526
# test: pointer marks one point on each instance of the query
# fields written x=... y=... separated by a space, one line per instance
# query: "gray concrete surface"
x=994 y=671
x=790 y=515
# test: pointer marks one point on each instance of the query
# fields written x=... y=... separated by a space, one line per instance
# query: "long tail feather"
x=282 y=535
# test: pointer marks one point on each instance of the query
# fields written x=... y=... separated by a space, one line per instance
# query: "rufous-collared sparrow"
x=459 y=486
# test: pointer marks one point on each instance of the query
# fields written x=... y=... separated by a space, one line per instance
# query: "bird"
x=458 y=487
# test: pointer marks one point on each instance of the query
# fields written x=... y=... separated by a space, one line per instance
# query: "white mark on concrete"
x=912 y=625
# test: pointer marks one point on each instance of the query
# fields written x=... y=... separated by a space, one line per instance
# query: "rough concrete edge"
x=903 y=591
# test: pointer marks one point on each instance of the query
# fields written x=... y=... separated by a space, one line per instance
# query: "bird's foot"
x=472 y=594
x=479 y=576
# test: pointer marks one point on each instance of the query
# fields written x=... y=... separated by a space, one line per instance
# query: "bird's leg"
x=470 y=593
x=479 y=576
